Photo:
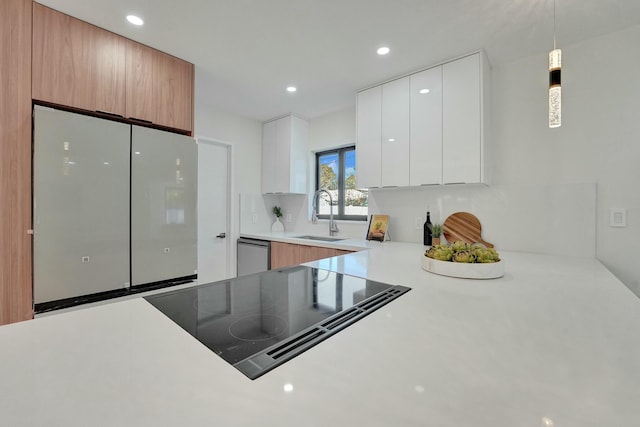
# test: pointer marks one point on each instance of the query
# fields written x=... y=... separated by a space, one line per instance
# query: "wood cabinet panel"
x=313 y=253
x=159 y=87
x=342 y=252
x=284 y=255
x=15 y=157
x=77 y=64
x=288 y=254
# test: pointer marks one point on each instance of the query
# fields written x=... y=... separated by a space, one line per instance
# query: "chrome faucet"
x=333 y=228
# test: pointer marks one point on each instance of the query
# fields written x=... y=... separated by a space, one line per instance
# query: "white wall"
x=521 y=217
x=245 y=137
x=599 y=140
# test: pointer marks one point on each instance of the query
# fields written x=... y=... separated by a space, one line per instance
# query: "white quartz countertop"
x=556 y=341
x=345 y=243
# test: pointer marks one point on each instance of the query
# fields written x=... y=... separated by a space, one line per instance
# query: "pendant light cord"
x=554 y=24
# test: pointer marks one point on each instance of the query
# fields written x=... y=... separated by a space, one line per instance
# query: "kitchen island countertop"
x=553 y=341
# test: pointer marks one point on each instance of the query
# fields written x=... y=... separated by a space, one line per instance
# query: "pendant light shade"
x=555 y=88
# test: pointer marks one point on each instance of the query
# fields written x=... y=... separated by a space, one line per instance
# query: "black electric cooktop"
x=260 y=321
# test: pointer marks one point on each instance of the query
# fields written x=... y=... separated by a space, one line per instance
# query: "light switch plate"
x=617 y=217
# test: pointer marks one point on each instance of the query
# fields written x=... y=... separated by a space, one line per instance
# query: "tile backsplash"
x=558 y=219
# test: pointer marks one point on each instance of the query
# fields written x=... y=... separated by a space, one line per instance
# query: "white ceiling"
x=247 y=51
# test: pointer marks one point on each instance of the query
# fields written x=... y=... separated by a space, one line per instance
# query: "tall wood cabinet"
x=15 y=161
x=79 y=65
x=51 y=57
x=159 y=87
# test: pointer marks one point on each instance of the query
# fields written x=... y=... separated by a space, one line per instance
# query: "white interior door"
x=214 y=231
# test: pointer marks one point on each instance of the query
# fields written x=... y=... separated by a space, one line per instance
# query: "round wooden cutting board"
x=465 y=227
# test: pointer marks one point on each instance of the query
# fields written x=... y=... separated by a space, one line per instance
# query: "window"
x=336 y=173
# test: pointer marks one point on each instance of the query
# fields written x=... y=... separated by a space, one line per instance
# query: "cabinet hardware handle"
x=109 y=113
x=141 y=120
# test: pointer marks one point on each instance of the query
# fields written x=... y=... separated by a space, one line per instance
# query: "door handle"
x=221 y=235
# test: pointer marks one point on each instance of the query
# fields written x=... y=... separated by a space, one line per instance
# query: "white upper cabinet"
x=284 y=155
x=461 y=116
x=395 y=133
x=269 y=143
x=425 y=161
x=369 y=135
x=427 y=128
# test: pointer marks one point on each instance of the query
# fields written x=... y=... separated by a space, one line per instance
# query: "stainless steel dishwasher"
x=254 y=256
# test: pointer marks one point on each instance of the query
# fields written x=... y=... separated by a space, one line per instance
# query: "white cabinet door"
x=461 y=109
x=395 y=133
x=269 y=140
x=298 y=155
x=284 y=155
x=282 y=161
x=369 y=134
x=425 y=162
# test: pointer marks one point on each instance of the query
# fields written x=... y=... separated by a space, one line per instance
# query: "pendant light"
x=555 y=89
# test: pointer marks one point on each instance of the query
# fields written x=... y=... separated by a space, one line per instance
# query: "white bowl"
x=491 y=270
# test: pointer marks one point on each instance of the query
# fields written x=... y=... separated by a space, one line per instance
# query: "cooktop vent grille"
x=264 y=361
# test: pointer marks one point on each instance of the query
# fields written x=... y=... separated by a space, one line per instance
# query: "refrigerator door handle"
x=221 y=235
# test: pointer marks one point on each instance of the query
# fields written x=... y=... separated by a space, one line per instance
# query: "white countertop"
x=556 y=338
x=347 y=243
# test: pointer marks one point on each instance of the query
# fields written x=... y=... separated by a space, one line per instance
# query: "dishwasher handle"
x=253 y=242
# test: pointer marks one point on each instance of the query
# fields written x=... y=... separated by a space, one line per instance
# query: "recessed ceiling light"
x=424 y=91
x=383 y=50
x=292 y=89
x=135 y=20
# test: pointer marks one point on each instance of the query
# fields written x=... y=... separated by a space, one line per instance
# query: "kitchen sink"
x=320 y=238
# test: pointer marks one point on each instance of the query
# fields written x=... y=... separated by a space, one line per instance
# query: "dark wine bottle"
x=427 y=235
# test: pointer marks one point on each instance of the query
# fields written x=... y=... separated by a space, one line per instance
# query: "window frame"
x=340 y=203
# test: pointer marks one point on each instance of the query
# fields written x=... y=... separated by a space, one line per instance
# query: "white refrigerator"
x=114 y=206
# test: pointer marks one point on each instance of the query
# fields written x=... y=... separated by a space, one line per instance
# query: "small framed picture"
x=378 y=227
